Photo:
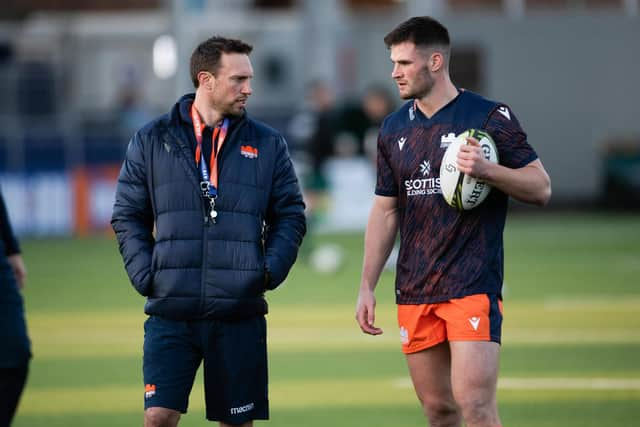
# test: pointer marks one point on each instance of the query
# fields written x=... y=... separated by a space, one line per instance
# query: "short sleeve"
x=385 y=181
x=514 y=150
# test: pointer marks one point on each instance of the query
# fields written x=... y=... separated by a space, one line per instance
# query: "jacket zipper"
x=206 y=224
x=205 y=232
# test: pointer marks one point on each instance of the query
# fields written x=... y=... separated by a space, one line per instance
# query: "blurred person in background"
x=359 y=120
x=377 y=104
x=321 y=143
x=15 y=347
x=314 y=128
x=131 y=111
x=208 y=216
x=450 y=267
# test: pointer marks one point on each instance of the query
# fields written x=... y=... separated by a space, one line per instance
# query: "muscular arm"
x=528 y=184
x=520 y=173
x=379 y=238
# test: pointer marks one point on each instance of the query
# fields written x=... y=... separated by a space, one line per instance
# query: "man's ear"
x=206 y=80
x=436 y=62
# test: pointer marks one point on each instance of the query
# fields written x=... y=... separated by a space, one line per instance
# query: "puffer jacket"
x=15 y=350
x=191 y=267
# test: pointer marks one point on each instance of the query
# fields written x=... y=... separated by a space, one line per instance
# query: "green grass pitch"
x=571 y=347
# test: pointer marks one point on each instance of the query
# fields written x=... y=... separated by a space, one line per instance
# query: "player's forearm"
x=529 y=184
x=378 y=243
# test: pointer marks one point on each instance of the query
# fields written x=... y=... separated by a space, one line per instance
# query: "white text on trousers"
x=242 y=409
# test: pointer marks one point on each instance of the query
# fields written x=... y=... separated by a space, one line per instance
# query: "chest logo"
x=401 y=142
x=249 y=151
x=425 y=168
x=424 y=185
x=447 y=139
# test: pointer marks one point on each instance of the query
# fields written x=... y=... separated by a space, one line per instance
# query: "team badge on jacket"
x=149 y=391
x=249 y=151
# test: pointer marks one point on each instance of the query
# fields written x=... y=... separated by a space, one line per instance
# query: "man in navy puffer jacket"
x=208 y=216
x=15 y=347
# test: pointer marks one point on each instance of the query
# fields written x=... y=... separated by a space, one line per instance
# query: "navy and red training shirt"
x=446 y=253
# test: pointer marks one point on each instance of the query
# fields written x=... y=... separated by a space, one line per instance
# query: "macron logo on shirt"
x=505 y=112
x=401 y=142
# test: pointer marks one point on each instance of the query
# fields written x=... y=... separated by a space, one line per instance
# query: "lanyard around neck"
x=220 y=132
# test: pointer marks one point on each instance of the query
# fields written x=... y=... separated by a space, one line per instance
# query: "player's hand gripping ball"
x=461 y=191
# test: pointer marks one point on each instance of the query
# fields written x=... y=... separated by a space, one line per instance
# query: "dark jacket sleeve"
x=286 y=224
x=8 y=238
x=132 y=218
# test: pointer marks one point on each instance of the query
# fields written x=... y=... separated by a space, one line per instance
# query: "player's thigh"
x=171 y=359
x=474 y=370
x=430 y=373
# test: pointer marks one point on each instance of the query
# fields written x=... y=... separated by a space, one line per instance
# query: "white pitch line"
x=553 y=383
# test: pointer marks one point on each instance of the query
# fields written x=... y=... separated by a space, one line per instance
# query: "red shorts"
x=472 y=318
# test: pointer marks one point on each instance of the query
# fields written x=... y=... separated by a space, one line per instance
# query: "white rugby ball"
x=326 y=258
x=459 y=190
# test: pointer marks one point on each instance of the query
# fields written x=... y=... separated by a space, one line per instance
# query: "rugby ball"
x=459 y=190
x=326 y=258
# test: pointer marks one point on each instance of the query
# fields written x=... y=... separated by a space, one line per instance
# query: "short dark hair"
x=421 y=31
x=206 y=57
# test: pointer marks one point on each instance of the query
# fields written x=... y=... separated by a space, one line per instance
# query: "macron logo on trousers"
x=242 y=409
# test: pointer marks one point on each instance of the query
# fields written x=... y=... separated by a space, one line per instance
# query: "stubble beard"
x=231 y=110
x=418 y=93
x=235 y=112
x=423 y=90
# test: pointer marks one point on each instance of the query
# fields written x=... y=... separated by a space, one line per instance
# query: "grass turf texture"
x=570 y=352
